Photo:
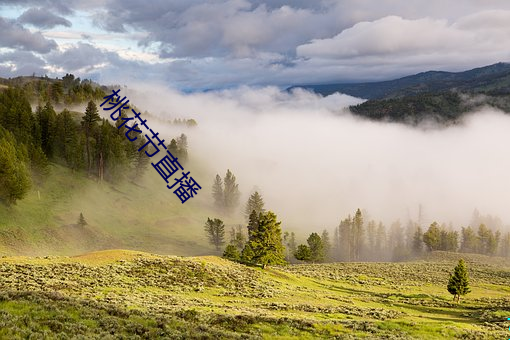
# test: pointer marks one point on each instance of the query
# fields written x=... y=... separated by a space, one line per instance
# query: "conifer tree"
x=357 y=234
x=432 y=237
x=215 y=231
x=418 y=241
x=458 y=284
x=247 y=254
x=326 y=243
x=470 y=242
x=231 y=192
x=253 y=224
x=231 y=253
x=237 y=237
x=217 y=193
x=88 y=123
x=81 y=221
x=255 y=203
x=266 y=241
x=14 y=175
x=316 y=247
x=303 y=253
x=345 y=233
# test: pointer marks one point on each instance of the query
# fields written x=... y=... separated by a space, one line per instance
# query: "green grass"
x=144 y=216
x=140 y=295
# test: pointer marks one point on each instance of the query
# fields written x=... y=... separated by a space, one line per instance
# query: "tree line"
x=357 y=240
x=81 y=141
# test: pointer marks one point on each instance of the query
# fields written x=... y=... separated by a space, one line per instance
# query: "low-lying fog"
x=315 y=163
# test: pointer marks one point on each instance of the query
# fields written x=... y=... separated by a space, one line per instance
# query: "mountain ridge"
x=491 y=78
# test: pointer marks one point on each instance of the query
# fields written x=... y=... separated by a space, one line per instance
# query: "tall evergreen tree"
x=357 y=233
x=217 y=193
x=345 y=231
x=215 y=231
x=81 y=220
x=182 y=145
x=303 y=253
x=237 y=237
x=231 y=192
x=14 y=175
x=266 y=241
x=46 y=117
x=316 y=247
x=371 y=238
x=255 y=203
x=432 y=237
x=418 y=241
x=66 y=136
x=381 y=246
x=458 y=283
x=89 y=121
x=326 y=243
x=505 y=245
x=232 y=253
x=253 y=224
x=469 y=241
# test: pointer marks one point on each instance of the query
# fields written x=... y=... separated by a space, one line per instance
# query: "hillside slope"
x=140 y=295
x=144 y=216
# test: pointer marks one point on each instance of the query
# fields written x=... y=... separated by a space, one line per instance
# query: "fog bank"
x=315 y=163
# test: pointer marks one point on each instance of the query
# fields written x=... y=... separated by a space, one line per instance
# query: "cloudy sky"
x=199 y=44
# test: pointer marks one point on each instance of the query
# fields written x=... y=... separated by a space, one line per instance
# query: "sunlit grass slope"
x=140 y=215
x=139 y=295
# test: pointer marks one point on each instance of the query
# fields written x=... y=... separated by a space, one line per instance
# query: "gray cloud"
x=21 y=62
x=42 y=18
x=16 y=36
x=80 y=56
x=60 y=6
x=226 y=43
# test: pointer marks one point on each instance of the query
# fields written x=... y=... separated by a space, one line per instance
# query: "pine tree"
x=253 y=224
x=89 y=121
x=432 y=237
x=266 y=241
x=418 y=241
x=316 y=247
x=458 y=283
x=469 y=240
x=215 y=230
x=247 y=254
x=371 y=238
x=217 y=193
x=345 y=233
x=255 y=203
x=357 y=234
x=289 y=239
x=14 y=175
x=382 y=243
x=237 y=237
x=303 y=253
x=46 y=117
x=81 y=221
x=505 y=245
x=182 y=145
x=231 y=253
x=326 y=243
x=231 y=192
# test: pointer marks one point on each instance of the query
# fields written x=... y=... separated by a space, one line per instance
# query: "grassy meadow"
x=136 y=295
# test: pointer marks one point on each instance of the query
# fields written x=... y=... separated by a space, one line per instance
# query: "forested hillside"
x=443 y=97
x=65 y=170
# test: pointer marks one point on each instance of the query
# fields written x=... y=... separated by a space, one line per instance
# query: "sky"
x=193 y=45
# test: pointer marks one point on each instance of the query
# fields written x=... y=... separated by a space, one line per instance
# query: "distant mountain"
x=493 y=79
